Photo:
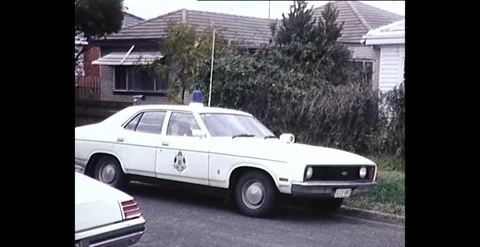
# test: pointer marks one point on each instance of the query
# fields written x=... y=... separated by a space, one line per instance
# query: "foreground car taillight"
x=131 y=210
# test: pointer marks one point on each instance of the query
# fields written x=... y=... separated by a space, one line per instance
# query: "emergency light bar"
x=197 y=98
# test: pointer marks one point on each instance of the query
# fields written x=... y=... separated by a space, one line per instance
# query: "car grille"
x=341 y=173
x=131 y=210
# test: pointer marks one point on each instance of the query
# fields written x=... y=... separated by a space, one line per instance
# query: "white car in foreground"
x=105 y=216
x=218 y=148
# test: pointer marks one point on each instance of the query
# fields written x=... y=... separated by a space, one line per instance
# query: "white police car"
x=218 y=148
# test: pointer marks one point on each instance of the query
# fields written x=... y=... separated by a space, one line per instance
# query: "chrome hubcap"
x=107 y=173
x=253 y=194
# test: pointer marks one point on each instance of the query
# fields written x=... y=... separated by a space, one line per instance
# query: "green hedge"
x=352 y=117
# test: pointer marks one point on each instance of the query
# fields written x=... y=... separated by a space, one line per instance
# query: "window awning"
x=125 y=58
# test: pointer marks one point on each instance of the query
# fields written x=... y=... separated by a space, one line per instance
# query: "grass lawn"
x=389 y=194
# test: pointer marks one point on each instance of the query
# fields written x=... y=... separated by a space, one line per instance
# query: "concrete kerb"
x=371 y=215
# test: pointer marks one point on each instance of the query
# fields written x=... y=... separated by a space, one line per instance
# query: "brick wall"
x=107 y=81
x=108 y=94
x=91 y=54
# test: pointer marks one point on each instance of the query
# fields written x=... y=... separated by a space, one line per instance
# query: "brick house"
x=92 y=52
x=119 y=52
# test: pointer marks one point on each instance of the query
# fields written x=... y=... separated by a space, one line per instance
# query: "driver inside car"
x=181 y=129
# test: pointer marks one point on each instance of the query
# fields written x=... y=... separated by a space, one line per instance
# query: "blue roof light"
x=197 y=96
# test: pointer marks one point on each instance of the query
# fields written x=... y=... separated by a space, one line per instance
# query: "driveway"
x=177 y=218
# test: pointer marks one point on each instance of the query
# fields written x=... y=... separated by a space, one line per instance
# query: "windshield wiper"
x=270 y=137
x=242 y=135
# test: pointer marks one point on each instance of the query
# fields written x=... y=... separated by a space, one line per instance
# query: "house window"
x=365 y=68
x=136 y=79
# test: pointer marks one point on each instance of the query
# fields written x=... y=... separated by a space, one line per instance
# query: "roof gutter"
x=383 y=39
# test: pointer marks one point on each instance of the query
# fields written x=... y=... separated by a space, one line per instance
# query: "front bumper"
x=79 y=169
x=123 y=234
x=80 y=165
x=327 y=189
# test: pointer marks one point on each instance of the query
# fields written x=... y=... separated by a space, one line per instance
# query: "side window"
x=151 y=122
x=182 y=124
x=133 y=123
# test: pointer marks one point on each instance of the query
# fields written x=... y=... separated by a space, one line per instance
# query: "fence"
x=93 y=111
x=87 y=87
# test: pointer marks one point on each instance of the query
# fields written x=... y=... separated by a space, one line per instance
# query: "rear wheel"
x=108 y=171
x=256 y=195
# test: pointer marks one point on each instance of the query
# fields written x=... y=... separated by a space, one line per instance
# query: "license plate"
x=343 y=193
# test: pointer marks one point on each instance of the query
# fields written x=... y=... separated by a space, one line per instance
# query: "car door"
x=181 y=155
x=140 y=139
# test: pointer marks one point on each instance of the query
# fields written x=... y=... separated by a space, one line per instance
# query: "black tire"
x=325 y=206
x=269 y=202
x=119 y=180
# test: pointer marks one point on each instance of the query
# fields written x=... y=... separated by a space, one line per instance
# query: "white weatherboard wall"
x=392 y=61
x=390 y=39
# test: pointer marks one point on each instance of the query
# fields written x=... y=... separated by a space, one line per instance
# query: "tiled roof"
x=359 y=18
x=130 y=20
x=234 y=27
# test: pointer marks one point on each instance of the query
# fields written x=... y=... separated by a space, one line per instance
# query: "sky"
x=152 y=8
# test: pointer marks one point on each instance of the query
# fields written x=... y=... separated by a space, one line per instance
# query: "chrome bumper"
x=79 y=169
x=327 y=189
x=123 y=241
x=80 y=165
x=122 y=234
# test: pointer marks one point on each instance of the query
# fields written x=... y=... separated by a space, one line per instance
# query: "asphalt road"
x=181 y=219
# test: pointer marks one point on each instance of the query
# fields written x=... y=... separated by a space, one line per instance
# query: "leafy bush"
x=390 y=163
x=303 y=83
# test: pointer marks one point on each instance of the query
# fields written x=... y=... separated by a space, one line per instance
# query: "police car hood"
x=274 y=149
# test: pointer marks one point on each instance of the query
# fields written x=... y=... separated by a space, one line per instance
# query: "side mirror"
x=287 y=138
x=198 y=133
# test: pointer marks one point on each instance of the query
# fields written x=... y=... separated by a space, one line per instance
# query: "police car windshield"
x=221 y=124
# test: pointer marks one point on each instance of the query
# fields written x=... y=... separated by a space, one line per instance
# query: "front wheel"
x=256 y=194
x=108 y=171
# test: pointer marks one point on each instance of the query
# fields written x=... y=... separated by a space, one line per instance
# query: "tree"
x=184 y=51
x=97 y=18
x=312 y=43
x=298 y=26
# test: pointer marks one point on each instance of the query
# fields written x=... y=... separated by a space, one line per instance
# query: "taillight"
x=131 y=210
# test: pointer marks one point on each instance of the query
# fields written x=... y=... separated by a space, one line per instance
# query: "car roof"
x=126 y=113
x=188 y=108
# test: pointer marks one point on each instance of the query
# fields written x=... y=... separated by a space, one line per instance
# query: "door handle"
x=165 y=144
x=120 y=139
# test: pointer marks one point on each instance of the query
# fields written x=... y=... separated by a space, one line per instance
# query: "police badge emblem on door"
x=179 y=162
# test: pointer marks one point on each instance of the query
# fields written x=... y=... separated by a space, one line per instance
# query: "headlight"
x=363 y=172
x=309 y=173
